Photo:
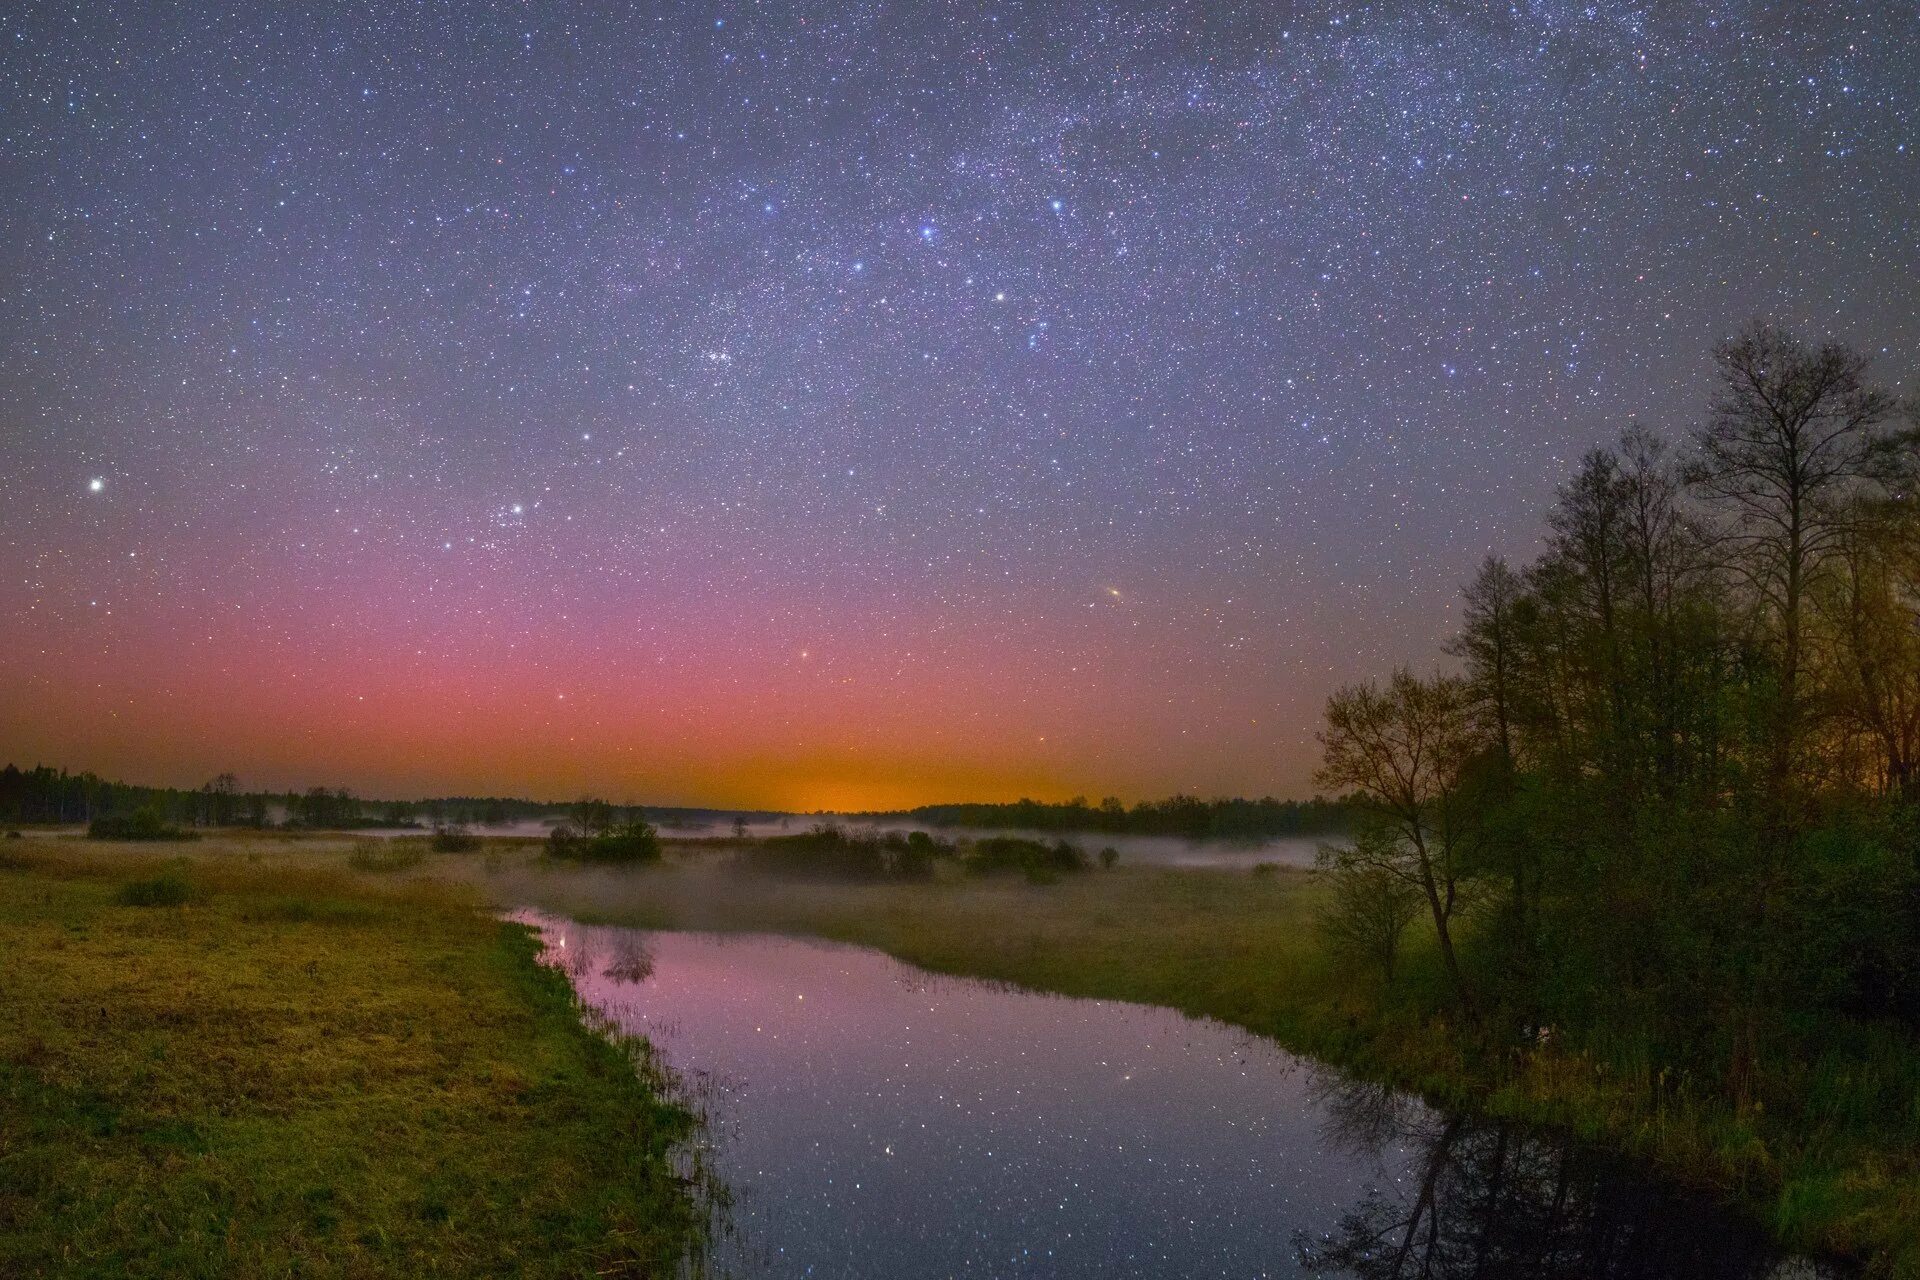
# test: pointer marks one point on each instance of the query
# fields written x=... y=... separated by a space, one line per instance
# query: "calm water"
x=873 y=1120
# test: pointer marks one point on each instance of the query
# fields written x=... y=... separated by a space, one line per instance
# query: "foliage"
x=1372 y=901
x=1041 y=862
x=454 y=839
x=324 y=809
x=169 y=890
x=1667 y=818
x=1187 y=817
x=833 y=852
x=142 y=824
x=630 y=843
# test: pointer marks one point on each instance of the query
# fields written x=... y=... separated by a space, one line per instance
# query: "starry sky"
x=857 y=405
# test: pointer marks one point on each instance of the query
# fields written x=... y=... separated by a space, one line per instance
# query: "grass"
x=281 y=1070
x=386 y=855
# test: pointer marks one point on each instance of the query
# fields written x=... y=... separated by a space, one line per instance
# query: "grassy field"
x=295 y=1071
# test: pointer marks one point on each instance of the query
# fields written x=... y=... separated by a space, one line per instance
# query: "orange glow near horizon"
x=365 y=695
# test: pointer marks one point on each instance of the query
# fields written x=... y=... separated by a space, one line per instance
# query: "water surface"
x=874 y=1120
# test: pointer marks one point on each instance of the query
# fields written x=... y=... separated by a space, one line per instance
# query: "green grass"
x=386 y=855
x=292 y=1073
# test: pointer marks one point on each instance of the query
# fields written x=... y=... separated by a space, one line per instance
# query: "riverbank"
x=1836 y=1174
x=233 y=1065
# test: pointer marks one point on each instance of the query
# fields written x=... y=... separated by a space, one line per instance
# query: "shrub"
x=14 y=835
x=831 y=852
x=143 y=824
x=624 y=843
x=1368 y=911
x=1036 y=860
x=1108 y=857
x=168 y=890
x=454 y=839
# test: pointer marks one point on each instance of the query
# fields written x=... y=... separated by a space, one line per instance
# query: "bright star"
x=96 y=484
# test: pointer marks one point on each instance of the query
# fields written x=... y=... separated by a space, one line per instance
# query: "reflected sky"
x=875 y=1120
x=870 y=1119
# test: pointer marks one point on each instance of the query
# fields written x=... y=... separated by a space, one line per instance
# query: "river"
x=869 y=1119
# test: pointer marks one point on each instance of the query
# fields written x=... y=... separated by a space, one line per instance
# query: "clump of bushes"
x=625 y=843
x=832 y=852
x=167 y=890
x=142 y=824
x=455 y=839
x=1370 y=905
x=1039 y=861
x=385 y=855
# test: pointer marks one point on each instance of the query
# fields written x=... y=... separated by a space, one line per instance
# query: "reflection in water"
x=1491 y=1201
x=870 y=1119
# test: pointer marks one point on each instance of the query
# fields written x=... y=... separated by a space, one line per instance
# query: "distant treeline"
x=1186 y=817
x=46 y=795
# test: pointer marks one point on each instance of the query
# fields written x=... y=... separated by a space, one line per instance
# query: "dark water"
x=873 y=1120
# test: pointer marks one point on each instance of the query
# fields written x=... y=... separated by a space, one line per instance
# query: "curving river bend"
x=870 y=1119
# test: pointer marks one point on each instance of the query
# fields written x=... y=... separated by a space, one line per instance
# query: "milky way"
x=858 y=404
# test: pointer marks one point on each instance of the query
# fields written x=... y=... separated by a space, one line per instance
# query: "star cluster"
x=858 y=404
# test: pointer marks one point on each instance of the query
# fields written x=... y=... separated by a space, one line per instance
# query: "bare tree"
x=1403 y=753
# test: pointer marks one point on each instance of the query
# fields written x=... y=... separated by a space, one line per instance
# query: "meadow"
x=253 y=1061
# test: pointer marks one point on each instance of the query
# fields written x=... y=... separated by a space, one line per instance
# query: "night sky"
x=831 y=405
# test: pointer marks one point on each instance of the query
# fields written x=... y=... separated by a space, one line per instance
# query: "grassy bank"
x=276 y=1069
x=1838 y=1172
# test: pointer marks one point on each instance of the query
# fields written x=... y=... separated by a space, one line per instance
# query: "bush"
x=454 y=839
x=831 y=852
x=15 y=835
x=143 y=824
x=1041 y=863
x=167 y=890
x=1367 y=912
x=624 y=843
x=385 y=855
x=1108 y=857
